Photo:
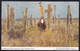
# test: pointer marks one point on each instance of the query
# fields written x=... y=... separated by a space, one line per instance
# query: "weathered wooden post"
x=54 y=13
x=26 y=17
x=31 y=20
x=58 y=19
x=34 y=21
x=53 y=18
x=23 y=17
x=13 y=15
x=41 y=10
x=12 y=18
x=24 y=21
x=49 y=14
x=69 y=16
x=8 y=18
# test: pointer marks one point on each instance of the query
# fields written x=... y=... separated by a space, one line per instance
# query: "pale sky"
x=33 y=8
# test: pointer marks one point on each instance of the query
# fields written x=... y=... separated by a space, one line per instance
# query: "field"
x=59 y=35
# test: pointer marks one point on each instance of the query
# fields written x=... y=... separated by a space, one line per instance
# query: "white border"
x=39 y=48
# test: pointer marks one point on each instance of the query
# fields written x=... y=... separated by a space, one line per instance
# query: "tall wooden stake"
x=49 y=10
x=8 y=19
x=54 y=13
x=26 y=17
x=12 y=18
x=24 y=21
x=58 y=19
x=41 y=10
x=31 y=20
x=34 y=21
x=69 y=16
x=53 y=18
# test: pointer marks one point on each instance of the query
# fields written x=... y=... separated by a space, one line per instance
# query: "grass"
x=59 y=35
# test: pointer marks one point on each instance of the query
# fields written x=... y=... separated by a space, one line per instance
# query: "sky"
x=33 y=8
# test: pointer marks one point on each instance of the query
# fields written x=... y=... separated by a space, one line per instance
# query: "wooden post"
x=41 y=10
x=12 y=18
x=58 y=19
x=34 y=21
x=8 y=18
x=53 y=18
x=23 y=17
x=31 y=20
x=24 y=21
x=13 y=15
x=54 y=13
x=26 y=17
x=69 y=16
x=49 y=10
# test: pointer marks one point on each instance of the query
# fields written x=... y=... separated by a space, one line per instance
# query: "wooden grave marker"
x=69 y=16
x=49 y=10
x=8 y=18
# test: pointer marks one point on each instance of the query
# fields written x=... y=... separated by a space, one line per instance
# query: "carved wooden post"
x=26 y=17
x=58 y=19
x=41 y=10
x=8 y=18
x=49 y=14
x=31 y=20
x=69 y=16
x=54 y=13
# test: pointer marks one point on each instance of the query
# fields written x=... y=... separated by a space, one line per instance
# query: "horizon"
x=38 y=18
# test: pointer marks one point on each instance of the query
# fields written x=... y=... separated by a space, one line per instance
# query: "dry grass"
x=56 y=36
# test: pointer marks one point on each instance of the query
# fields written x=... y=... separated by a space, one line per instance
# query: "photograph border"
x=40 y=0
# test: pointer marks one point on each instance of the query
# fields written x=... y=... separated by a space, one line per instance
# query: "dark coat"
x=42 y=26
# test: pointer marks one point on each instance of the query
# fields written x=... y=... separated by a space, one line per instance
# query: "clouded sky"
x=33 y=8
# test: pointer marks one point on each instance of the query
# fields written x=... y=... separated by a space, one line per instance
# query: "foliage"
x=56 y=36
